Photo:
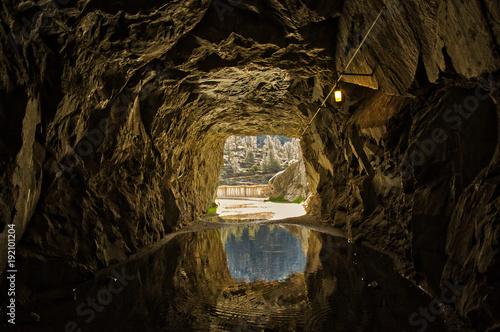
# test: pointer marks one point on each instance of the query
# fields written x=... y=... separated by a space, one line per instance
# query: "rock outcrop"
x=113 y=118
x=290 y=183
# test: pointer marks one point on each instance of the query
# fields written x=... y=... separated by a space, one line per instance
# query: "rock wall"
x=416 y=168
x=114 y=119
x=290 y=183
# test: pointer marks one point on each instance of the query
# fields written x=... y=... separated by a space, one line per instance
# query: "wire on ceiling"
x=345 y=69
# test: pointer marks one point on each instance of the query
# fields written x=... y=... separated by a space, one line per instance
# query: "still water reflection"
x=263 y=252
x=268 y=278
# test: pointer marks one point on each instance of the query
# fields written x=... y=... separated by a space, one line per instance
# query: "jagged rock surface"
x=290 y=183
x=114 y=118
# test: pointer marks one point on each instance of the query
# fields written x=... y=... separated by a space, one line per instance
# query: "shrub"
x=277 y=200
x=255 y=168
x=299 y=200
x=249 y=158
x=212 y=210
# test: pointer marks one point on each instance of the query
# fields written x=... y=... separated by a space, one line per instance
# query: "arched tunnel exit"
x=263 y=177
x=113 y=121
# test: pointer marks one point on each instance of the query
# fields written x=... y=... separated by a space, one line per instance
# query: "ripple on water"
x=194 y=283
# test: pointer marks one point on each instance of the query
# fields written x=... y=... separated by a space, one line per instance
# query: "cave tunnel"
x=113 y=121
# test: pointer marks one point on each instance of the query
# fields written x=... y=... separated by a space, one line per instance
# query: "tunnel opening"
x=261 y=178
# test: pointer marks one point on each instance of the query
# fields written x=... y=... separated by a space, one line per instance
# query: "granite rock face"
x=114 y=116
x=290 y=183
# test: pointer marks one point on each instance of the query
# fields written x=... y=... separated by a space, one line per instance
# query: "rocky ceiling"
x=113 y=117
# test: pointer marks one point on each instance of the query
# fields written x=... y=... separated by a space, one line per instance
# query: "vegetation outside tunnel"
x=282 y=200
x=255 y=159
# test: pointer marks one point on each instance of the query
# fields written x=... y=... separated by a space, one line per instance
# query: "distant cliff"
x=290 y=183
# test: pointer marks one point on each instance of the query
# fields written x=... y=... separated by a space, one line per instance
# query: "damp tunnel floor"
x=254 y=276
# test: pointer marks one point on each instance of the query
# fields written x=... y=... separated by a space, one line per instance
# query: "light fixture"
x=338 y=96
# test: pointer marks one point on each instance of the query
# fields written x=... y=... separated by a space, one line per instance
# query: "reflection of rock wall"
x=207 y=294
x=290 y=183
x=185 y=284
x=263 y=305
x=243 y=191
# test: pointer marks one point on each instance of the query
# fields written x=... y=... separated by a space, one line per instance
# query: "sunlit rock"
x=290 y=184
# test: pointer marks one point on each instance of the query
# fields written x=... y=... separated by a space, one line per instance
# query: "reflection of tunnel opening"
x=267 y=252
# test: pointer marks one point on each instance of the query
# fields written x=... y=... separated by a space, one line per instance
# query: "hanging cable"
x=345 y=68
